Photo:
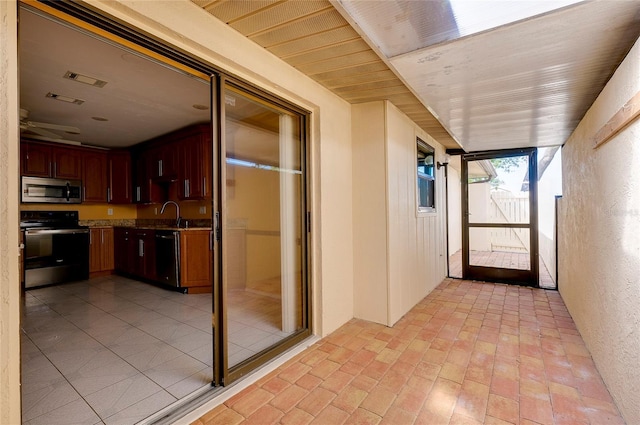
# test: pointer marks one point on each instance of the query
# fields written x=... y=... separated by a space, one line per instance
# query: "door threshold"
x=197 y=404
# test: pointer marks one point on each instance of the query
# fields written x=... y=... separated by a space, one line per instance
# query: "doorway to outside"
x=501 y=212
x=124 y=349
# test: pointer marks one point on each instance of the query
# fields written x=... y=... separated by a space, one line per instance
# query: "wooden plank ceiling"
x=313 y=37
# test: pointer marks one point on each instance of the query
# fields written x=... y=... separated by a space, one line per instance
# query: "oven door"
x=55 y=256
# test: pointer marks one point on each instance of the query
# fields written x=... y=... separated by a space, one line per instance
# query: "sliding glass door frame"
x=228 y=374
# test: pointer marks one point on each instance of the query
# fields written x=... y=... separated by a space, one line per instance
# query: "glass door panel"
x=264 y=226
x=506 y=248
x=500 y=223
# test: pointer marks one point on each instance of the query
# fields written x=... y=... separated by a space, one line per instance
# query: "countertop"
x=150 y=226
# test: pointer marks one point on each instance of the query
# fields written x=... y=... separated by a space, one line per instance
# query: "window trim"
x=424 y=147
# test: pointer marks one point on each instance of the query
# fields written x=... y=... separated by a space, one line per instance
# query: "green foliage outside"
x=506 y=165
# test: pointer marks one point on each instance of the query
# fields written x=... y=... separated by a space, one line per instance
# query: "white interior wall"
x=599 y=248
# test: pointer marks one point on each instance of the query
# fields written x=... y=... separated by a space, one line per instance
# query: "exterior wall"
x=599 y=248
x=417 y=248
x=370 y=212
x=9 y=223
x=455 y=210
x=399 y=254
x=479 y=238
x=548 y=187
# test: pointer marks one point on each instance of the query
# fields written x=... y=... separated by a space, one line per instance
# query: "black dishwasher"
x=168 y=257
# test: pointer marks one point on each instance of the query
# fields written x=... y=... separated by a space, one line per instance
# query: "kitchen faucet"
x=178 y=218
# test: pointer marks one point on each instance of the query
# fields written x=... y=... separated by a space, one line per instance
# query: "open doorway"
x=497 y=224
x=119 y=346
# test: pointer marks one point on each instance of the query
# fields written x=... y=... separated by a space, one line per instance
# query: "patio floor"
x=468 y=353
x=511 y=260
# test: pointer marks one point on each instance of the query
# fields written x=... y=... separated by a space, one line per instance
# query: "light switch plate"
x=203 y=210
x=109 y=211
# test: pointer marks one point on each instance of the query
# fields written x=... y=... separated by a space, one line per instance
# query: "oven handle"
x=55 y=232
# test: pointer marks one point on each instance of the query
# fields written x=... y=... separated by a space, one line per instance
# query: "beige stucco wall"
x=9 y=282
x=399 y=254
x=599 y=247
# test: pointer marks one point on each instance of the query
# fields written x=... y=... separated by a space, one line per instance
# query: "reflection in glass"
x=263 y=225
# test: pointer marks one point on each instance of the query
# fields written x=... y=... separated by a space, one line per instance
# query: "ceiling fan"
x=42 y=130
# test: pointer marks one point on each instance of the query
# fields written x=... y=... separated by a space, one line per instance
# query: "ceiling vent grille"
x=66 y=99
x=84 y=79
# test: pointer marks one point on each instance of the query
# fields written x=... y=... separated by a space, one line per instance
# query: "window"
x=426 y=177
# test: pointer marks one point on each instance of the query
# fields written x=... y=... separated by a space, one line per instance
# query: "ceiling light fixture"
x=200 y=107
x=66 y=99
x=84 y=79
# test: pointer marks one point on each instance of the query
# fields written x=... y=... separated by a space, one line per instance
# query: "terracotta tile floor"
x=469 y=353
x=501 y=259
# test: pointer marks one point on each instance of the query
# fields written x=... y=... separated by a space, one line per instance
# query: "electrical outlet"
x=155 y=210
x=203 y=210
x=109 y=211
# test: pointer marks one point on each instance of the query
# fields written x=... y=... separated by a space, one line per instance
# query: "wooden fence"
x=506 y=207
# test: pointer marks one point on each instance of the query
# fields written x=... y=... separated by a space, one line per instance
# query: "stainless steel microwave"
x=51 y=191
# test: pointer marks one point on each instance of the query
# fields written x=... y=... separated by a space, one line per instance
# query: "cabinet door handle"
x=204 y=186
x=138 y=193
x=55 y=169
x=102 y=236
x=108 y=194
x=159 y=168
x=140 y=248
x=90 y=238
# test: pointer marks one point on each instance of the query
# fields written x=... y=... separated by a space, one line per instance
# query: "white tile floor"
x=113 y=350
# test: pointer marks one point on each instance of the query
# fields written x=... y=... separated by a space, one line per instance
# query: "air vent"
x=84 y=79
x=65 y=98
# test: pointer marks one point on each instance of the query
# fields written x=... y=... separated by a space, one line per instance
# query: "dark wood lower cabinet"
x=195 y=261
x=135 y=256
x=101 y=250
x=135 y=252
x=145 y=253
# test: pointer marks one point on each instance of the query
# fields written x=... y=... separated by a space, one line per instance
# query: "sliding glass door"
x=264 y=232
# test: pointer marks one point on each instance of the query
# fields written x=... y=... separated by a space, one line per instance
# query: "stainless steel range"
x=56 y=247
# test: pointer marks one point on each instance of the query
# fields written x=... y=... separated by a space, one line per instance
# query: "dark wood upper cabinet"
x=194 y=149
x=94 y=176
x=67 y=163
x=120 y=185
x=35 y=159
x=46 y=160
x=163 y=164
